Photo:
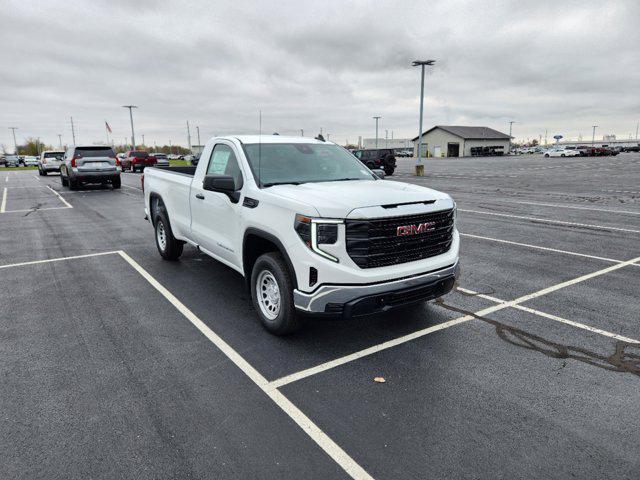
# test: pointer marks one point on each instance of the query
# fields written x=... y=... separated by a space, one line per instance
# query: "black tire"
x=116 y=183
x=286 y=321
x=73 y=184
x=172 y=248
x=371 y=165
x=562 y=155
x=64 y=180
x=44 y=173
x=546 y=155
x=389 y=171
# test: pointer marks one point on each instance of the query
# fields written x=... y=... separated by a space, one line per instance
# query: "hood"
x=340 y=199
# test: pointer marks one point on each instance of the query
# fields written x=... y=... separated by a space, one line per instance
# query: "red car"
x=135 y=160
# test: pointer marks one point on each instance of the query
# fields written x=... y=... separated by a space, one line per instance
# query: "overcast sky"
x=560 y=66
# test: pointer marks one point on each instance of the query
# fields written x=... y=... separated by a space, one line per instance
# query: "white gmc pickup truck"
x=310 y=228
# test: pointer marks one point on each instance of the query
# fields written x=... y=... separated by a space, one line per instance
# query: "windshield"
x=140 y=154
x=57 y=155
x=94 y=152
x=275 y=163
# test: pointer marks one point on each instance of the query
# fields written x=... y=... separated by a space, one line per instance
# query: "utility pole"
x=302 y=132
x=38 y=146
x=133 y=135
x=593 y=135
x=73 y=132
x=511 y=126
x=188 y=136
x=15 y=144
x=386 y=138
x=376 y=119
x=421 y=64
x=143 y=140
x=198 y=132
x=60 y=139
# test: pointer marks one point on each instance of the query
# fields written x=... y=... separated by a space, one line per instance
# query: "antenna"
x=259 y=147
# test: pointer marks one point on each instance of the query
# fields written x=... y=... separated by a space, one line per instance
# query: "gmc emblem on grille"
x=414 y=229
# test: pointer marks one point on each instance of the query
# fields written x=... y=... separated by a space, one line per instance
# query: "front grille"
x=375 y=243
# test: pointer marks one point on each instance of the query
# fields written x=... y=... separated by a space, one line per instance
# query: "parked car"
x=90 y=164
x=12 y=161
x=30 y=161
x=135 y=160
x=382 y=158
x=3 y=160
x=310 y=230
x=50 y=161
x=562 y=152
x=161 y=159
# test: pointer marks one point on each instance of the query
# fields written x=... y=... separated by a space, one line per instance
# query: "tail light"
x=117 y=161
x=77 y=156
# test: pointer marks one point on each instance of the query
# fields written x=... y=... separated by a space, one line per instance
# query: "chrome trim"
x=316 y=302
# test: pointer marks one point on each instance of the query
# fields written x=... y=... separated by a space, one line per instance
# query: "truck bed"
x=190 y=171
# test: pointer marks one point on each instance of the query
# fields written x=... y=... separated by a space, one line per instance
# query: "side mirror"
x=378 y=172
x=222 y=184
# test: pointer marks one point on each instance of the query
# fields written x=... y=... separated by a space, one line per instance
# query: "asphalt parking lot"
x=116 y=364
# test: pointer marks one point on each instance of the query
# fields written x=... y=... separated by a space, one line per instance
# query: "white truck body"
x=221 y=226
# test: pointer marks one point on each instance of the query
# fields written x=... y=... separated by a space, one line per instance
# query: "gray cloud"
x=556 y=66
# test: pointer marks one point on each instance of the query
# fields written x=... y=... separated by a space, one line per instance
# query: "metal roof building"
x=462 y=141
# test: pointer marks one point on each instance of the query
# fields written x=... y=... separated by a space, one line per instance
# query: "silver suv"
x=90 y=164
x=50 y=161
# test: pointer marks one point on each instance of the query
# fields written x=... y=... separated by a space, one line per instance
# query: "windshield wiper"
x=341 y=179
x=271 y=184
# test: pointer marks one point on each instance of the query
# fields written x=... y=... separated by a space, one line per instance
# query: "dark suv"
x=383 y=158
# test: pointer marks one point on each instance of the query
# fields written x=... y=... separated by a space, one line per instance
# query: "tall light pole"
x=133 y=136
x=386 y=138
x=15 y=144
x=593 y=135
x=637 y=127
x=511 y=126
x=302 y=132
x=73 y=132
x=188 y=136
x=198 y=133
x=143 y=139
x=376 y=119
x=421 y=64
x=60 y=139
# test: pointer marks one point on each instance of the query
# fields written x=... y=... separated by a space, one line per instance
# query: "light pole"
x=188 y=136
x=376 y=119
x=38 y=146
x=511 y=126
x=198 y=133
x=133 y=136
x=15 y=144
x=60 y=139
x=593 y=135
x=421 y=64
x=143 y=140
x=302 y=132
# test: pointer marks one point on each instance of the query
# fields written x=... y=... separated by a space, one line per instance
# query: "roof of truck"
x=272 y=139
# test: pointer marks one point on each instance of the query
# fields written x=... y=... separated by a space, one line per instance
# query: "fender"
x=273 y=239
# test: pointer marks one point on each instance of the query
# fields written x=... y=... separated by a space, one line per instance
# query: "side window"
x=359 y=154
x=224 y=162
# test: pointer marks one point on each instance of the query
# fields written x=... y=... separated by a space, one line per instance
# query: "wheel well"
x=155 y=202
x=259 y=243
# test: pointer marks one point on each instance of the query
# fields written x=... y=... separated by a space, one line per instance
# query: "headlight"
x=317 y=231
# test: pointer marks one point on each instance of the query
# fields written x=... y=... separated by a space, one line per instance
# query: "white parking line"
x=3 y=205
x=60 y=197
x=426 y=331
x=311 y=429
x=576 y=207
x=546 y=220
x=59 y=259
x=135 y=188
x=6 y=179
x=552 y=317
x=537 y=247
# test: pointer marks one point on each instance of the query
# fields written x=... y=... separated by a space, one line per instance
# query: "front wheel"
x=562 y=155
x=546 y=155
x=169 y=247
x=272 y=294
x=116 y=183
x=389 y=171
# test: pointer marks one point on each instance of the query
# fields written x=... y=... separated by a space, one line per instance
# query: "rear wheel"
x=389 y=170
x=546 y=155
x=73 y=183
x=63 y=180
x=272 y=295
x=43 y=173
x=116 y=183
x=169 y=248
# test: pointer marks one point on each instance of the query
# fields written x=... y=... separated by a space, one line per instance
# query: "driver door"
x=215 y=219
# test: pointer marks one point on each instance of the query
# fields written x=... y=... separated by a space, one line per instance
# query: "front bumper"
x=355 y=300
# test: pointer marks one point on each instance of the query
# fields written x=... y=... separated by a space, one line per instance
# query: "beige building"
x=459 y=141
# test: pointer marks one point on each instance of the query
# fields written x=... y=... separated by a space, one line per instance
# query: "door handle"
x=200 y=196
